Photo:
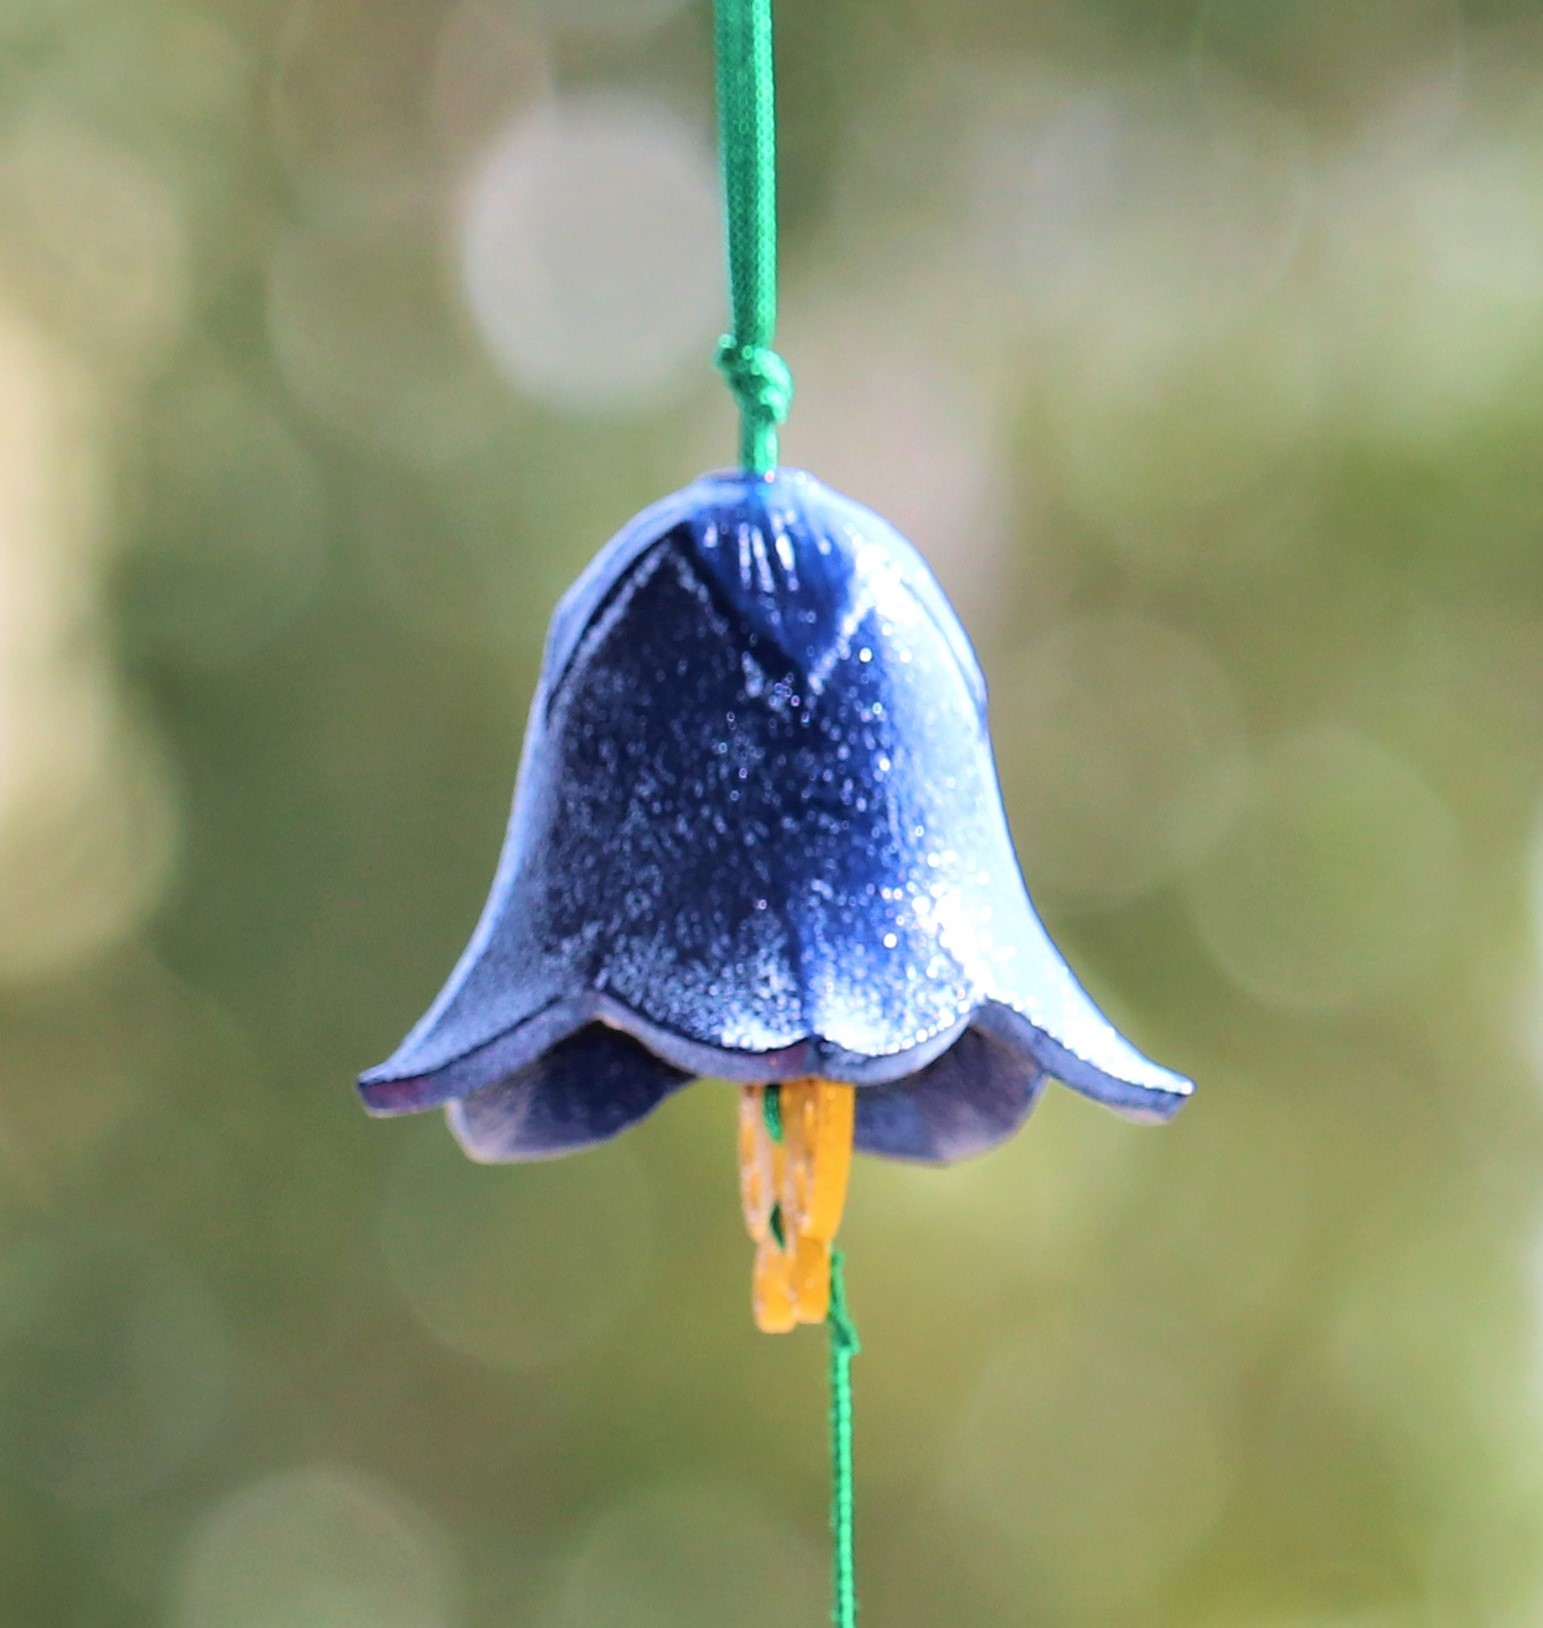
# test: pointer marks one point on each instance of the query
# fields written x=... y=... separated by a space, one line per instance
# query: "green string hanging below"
x=844 y=1345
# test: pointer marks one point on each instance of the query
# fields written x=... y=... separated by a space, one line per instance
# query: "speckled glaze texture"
x=758 y=835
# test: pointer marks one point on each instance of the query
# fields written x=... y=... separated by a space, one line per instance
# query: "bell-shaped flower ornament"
x=758 y=835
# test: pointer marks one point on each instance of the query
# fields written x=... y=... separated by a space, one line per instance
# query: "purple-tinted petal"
x=586 y=1089
x=975 y=1095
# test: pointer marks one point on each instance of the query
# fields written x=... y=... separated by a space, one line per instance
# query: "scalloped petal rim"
x=386 y=1094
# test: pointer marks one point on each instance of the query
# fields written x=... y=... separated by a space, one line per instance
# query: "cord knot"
x=759 y=378
x=844 y=1343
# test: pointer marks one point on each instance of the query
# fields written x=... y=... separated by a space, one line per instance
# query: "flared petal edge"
x=965 y=1088
x=397 y=1087
x=599 y=1082
x=1140 y=1090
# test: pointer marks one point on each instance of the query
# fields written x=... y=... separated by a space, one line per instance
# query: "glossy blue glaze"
x=757 y=834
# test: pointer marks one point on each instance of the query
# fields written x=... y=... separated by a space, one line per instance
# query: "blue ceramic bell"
x=758 y=835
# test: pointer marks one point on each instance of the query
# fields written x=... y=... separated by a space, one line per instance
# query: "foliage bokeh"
x=1201 y=348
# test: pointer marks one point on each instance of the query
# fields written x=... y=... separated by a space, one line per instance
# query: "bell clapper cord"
x=844 y=1345
x=747 y=148
x=795 y=1153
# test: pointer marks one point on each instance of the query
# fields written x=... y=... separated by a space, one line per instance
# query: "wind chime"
x=757 y=835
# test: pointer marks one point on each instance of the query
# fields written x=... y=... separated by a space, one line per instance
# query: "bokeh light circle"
x=519 y=1267
x=1529 y=1022
x=1124 y=205
x=621 y=18
x=346 y=94
x=1167 y=445
x=1338 y=878
x=87 y=817
x=1340 y=61
x=591 y=258
x=366 y=338
x=88 y=843
x=239 y=550
x=1432 y=270
x=321 y=1547
x=690 y=1556
x=114 y=1367
x=1128 y=753
x=94 y=239
x=490 y=59
x=911 y=432
x=1086 y=1468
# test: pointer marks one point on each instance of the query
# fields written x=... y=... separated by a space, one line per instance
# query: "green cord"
x=844 y=1345
x=747 y=145
x=771 y=1111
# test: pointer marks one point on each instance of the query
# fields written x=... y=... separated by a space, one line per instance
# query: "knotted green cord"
x=844 y=1345
x=747 y=146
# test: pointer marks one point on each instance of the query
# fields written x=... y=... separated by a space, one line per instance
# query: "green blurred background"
x=1200 y=346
